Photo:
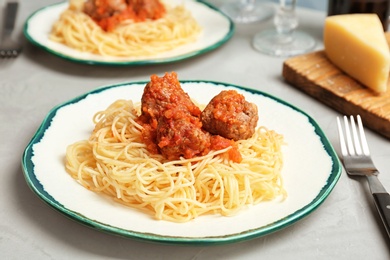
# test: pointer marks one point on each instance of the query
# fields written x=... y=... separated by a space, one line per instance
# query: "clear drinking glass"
x=284 y=40
x=247 y=11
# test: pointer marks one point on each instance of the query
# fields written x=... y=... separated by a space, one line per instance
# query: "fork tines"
x=356 y=146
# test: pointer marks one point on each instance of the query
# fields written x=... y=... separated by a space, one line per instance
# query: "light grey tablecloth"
x=345 y=226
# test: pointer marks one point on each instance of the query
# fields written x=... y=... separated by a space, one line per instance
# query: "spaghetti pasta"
x=129 y=39
x=115 y=161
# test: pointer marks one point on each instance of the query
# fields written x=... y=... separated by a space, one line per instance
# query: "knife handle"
x=382 y=203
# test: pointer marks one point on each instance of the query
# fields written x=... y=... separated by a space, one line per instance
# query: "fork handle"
x=381 y=199
x=9 y=17
x=382 y=203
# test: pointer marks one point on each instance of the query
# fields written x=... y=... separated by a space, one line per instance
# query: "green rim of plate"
x=177 y=58
x=36 y=186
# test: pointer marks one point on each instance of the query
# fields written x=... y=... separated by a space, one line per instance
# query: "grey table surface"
x=345 y=226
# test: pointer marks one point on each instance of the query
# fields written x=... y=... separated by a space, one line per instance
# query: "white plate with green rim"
x=217 y=30
x=311 y=169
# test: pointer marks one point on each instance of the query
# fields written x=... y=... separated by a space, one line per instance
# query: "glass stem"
x=286 y=20
x=247 y=5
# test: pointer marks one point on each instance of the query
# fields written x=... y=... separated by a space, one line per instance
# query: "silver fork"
x=8 y=47
x=357 y=161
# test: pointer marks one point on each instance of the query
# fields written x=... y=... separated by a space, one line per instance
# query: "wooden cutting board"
x=315 y=75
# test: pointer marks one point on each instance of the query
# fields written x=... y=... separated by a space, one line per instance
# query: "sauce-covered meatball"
x=99 y=10
x=228 y=114
x=181 y=135
x=164 y=93
x=171 y=120
x=150 y=9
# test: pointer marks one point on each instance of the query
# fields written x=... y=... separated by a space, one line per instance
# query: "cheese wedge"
x=357 y=45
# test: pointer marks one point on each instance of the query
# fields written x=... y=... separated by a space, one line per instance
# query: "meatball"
x=94 y=8
x=228 y=114
x=181 y=136
x=151 y=9
x=171 y=121
x=165 y=93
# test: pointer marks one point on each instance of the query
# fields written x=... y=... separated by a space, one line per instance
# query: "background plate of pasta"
x=298 y=169
x=177 y=30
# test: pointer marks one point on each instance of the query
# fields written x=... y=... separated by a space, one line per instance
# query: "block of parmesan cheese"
x=356 y=44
